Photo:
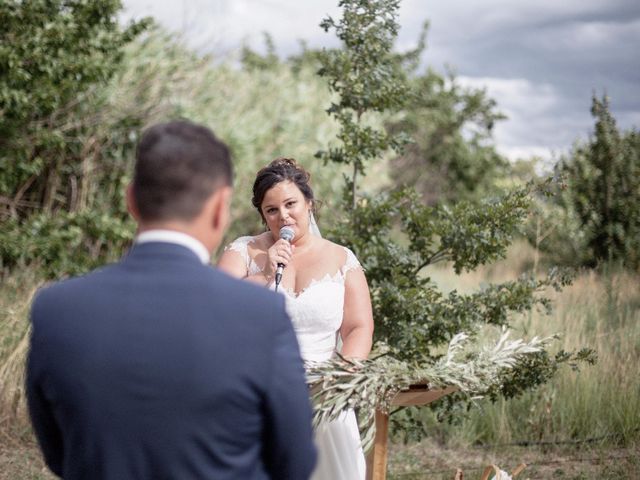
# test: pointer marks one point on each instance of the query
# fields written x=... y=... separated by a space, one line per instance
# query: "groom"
x=160 y=366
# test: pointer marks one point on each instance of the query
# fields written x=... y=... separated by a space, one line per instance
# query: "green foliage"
x=362 y=73
x=554 y=232
x=603 y=190
x=252 y=60
x=54 y=50
x=538 y=369
x=452 y=155
x=366 y=79
x=261 y=113
x=68 y=243
x=412 y=315
x=54 y=55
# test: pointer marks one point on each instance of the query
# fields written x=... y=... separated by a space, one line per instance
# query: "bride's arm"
x=232 y=263
x=236 y=262
x=357 y=322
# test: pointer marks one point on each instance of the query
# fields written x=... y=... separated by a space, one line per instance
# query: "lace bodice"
x=317 y=310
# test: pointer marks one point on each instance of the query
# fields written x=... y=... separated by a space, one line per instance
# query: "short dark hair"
x=178 y=166
x=279 y=170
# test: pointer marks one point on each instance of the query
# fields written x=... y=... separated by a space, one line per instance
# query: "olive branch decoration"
x=369 y=385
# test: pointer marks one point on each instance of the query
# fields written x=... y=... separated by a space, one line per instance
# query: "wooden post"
x=416 y=395
x=377 y=458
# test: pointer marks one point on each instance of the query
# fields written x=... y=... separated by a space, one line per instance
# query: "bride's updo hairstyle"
x=281 y=170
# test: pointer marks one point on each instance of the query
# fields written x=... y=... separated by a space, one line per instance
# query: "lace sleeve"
x=351 y=263
x=240 y=245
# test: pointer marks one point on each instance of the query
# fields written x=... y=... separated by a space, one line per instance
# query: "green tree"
x=395 y=235
x=603 y=190
x=366 y=78
x=53 y=55
x=452 y=155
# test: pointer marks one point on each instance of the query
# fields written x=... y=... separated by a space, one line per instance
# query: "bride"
x=326 y=293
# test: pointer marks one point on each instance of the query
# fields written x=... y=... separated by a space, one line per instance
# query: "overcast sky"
x=541 y=60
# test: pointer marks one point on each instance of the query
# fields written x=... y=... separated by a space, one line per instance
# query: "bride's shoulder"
x=329 y=246
x=344 y=254
x=253 y=239
x=241 y=244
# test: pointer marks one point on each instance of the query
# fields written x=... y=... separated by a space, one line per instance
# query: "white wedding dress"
x=316 y=313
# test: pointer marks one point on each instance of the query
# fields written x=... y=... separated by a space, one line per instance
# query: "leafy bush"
x=594 y=216
x=68 y=243
x=55 y=58
x=452 y=156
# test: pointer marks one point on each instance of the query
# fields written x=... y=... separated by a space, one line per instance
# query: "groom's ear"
x=132 y=206
x=222 y=208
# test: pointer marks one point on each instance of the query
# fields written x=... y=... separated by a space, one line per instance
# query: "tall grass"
x=597 y=403
x=16 y=293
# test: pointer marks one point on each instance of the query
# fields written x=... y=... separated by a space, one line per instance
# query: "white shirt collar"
x=178 y=238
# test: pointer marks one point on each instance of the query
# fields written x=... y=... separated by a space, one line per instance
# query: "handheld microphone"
x=286 y=233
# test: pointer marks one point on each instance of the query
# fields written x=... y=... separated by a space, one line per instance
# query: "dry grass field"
x=583 y=425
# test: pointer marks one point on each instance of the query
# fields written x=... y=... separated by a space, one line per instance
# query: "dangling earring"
x=312 y=218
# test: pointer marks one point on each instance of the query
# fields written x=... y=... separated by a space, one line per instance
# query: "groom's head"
x=182 y=181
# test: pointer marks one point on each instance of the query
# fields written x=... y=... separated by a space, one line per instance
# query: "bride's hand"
x=279 y=252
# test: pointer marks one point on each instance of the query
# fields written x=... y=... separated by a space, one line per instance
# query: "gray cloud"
x=541 y=60
x=570 y=48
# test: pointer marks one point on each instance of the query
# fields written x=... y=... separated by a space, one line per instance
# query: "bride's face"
x=284 y=204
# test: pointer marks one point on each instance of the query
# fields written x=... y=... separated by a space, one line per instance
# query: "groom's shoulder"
x=70 y=284
x=60 y=293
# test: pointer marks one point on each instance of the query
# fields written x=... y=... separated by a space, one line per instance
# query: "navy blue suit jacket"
x=160 y=367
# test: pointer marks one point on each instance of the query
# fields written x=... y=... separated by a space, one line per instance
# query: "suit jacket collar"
x=179 y=238
x=155 y=251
